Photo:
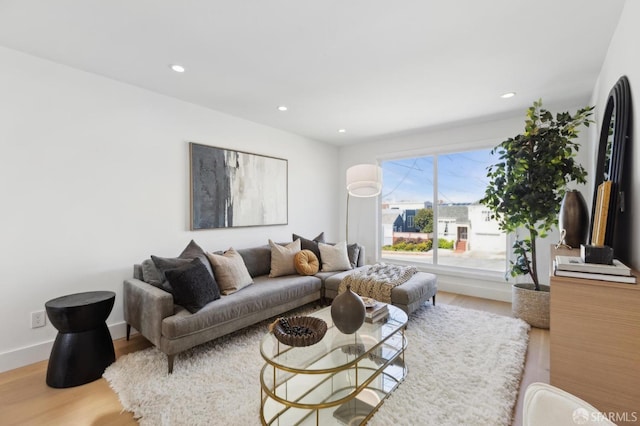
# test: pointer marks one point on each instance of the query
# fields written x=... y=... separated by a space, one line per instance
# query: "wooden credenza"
x=595 y=342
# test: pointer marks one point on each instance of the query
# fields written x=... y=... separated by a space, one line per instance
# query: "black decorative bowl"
x=299 y=331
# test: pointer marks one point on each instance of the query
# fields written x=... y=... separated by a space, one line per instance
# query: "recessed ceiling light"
x=342 y=130
x=508 y=95
x=282 y=108
x=177 y=68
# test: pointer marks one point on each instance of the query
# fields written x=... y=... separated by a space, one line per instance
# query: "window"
x=447 y=226
x=409 y=221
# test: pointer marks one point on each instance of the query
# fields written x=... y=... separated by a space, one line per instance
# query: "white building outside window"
x=467 y=237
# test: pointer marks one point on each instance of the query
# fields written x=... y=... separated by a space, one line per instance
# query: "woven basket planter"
x=530 y=305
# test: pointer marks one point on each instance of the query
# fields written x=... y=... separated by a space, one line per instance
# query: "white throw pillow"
x=334 y=258
x=282 y=258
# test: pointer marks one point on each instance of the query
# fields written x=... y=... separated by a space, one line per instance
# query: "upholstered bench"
x=408 y=296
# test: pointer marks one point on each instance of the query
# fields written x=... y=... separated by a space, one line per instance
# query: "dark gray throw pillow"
x=192 y=251
x=307 y=244
x=353 y=252
x=193 y=286
x=257 y=260
x=166 y=263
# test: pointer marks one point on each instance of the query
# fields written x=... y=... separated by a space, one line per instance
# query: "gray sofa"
x=173 y=329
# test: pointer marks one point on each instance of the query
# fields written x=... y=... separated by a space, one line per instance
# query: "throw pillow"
x=307 y=244
x=282 y=262
x=151 y=274
x=306 y=262
x=166 y=263
x=353 y=251
x=230 y=271
x=334 y=258
x=193 y=286
x=257 y=260
x=192 y=251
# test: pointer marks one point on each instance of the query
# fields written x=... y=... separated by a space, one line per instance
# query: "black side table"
x=83 y=346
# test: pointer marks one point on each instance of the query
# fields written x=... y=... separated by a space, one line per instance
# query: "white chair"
x=546 y=405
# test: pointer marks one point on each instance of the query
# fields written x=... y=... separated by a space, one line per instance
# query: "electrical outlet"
x=38 y=319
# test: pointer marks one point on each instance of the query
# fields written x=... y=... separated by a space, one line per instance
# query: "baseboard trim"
x=40 y=352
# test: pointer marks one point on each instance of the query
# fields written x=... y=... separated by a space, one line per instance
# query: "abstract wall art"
x=233 y=188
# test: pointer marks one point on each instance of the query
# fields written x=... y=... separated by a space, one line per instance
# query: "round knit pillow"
x=306 y=262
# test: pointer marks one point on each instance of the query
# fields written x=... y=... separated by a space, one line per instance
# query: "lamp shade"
x=364 y=180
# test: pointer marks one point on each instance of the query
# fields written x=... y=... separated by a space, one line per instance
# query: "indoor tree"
x=527 y=184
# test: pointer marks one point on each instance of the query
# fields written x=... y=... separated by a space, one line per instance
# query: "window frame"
x=435 y=267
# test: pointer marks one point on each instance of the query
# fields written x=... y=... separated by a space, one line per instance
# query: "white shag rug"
x=464 y=367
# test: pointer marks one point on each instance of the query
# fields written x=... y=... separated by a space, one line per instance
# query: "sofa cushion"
x=263 y=295
x=230 y=271
x=306 y=263
x=334 y=257
x=307 y=244
x=282 y=258
x=257 y=260
x=193 y=286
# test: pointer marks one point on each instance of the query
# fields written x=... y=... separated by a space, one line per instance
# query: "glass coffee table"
x=343 y=379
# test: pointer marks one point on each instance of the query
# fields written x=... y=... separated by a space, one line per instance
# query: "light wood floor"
x=25 y=399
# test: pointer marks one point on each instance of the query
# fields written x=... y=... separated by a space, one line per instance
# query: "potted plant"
x=525 y=190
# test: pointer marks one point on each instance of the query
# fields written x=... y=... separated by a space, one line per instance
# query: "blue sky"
x=462 y=177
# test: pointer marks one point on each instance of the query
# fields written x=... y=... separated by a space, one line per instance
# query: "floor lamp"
x=363 y=181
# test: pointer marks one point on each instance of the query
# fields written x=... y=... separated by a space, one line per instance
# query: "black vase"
x=574 y=219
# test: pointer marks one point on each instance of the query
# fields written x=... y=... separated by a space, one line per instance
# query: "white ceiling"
x=373 y=67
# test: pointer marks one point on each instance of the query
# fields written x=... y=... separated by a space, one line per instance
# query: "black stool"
x=83 y=346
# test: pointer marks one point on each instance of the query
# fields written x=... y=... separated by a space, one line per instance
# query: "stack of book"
x=574 y=266
x=377 y=313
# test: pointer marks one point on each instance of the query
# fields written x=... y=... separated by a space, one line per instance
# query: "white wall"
x=454 y=137
x=94 y=177
x=623 y=59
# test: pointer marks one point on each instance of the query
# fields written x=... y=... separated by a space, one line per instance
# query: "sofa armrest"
x=145 y=306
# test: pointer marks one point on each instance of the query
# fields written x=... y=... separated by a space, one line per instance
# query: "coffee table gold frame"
x=343 y=379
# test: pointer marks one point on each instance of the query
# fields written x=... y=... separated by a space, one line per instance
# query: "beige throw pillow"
x=282 y=258
x=230 y=271
x=334 y=258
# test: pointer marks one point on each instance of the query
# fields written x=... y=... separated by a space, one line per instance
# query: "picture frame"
x=232 y=188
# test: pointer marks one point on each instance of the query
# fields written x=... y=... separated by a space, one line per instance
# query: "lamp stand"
x=346 y=234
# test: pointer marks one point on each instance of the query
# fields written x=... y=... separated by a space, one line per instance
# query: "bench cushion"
x=409 y=296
